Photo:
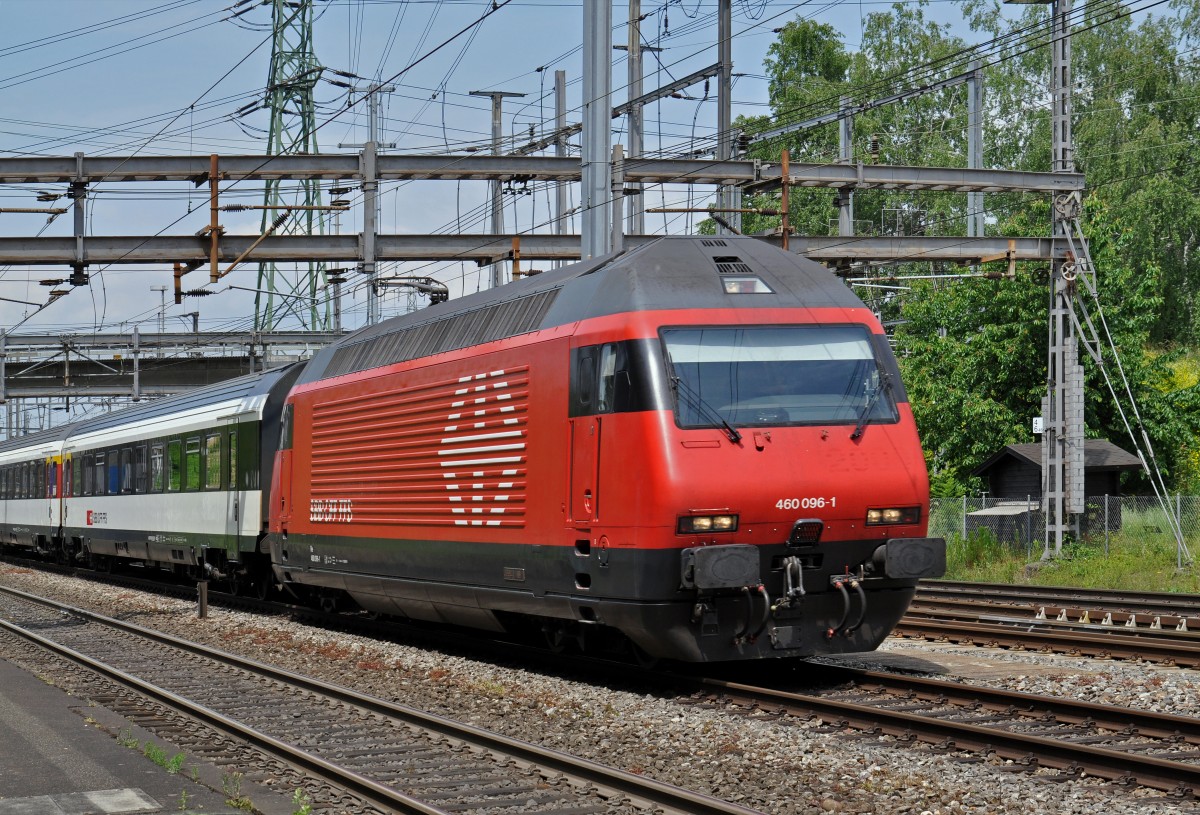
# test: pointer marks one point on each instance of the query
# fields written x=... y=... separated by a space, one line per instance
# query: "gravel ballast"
x=777 y=765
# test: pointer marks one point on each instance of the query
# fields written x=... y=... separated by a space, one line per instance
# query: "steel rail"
x=1162 y=774
x=1062 y=617
x=1029 y=636
x=609 y=781
x=1147 y=601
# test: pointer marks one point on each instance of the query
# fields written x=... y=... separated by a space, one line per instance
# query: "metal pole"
x=560 y=150
x=497 y=190
x=137 y=385
x=845 y=154
x=202 y=596
x=725 y=106
x=618 y=198
x=975 y=221
x=1062 y=441
x=370 y=150
x=784 y=178
x=1106 y=523
x=637 y=209
x=370 y=204
x=1179 y=525
x=597 y=128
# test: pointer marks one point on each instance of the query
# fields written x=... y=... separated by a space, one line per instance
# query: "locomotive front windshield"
x=767 y=376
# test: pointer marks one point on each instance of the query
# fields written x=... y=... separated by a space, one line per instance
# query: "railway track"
x=1152 y=626
x=1147 y=603
x=384 y=756
x=1127 y=746
x=1159 y=751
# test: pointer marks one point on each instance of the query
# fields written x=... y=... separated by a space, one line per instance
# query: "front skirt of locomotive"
x=754 y=602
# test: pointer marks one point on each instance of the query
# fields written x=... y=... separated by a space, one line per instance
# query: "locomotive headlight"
x=893 y=515
x=692 y=524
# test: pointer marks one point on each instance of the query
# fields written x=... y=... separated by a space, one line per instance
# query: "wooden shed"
x=1015 y=472
x=1012 y=511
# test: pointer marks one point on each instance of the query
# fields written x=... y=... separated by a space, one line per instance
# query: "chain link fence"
x=1109 y=519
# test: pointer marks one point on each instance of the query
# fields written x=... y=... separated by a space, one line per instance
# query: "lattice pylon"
x=298 y=293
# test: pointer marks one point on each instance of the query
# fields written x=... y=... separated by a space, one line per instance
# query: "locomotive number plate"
x=807 y=503
x=330 y=510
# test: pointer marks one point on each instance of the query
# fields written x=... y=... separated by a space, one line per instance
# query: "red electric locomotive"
x=701 y=447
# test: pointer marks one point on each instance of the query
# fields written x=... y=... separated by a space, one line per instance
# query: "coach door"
x=235 y=477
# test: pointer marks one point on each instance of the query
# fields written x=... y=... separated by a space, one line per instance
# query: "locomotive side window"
x=212 y=461
x=586 y=378
x=191 y=464
x=285 y=429
x=616 y=377
x=768 y=376
x=175 y=466
x=608 y=378
x=156 y=467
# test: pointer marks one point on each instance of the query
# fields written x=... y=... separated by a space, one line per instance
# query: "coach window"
x=156 y=467
x=127 y=470
x=25 y=480
x=191 y=464
x=85 y=464
x=113 y=472
x=212 y=461
x=175 y=466
x=98 y=479
x=52 y=480
x=139 y=468
x=233 y=468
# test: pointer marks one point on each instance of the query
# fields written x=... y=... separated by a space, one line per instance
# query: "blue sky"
x=120 y=77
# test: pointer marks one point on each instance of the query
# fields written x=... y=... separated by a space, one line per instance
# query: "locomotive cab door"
x=585 y=468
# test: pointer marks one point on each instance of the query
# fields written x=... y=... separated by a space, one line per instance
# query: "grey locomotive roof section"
x=255 y=384
x=682 y=273
x=677 y=272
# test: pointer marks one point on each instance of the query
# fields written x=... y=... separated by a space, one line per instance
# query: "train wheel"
x=563 y=636
x=642 y=659
x=262 y=585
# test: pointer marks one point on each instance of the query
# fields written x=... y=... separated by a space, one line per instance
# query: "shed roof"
x=1099 y=455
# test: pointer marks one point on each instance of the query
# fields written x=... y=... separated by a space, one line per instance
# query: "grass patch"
x=1135 y=560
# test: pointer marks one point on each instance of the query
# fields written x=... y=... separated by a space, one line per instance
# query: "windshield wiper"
x=682 y=387
x=885 y=384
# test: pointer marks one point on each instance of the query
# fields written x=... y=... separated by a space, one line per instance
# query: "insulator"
x=198 y=293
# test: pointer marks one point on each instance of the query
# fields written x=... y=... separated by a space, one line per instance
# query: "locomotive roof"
x=673 y=272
